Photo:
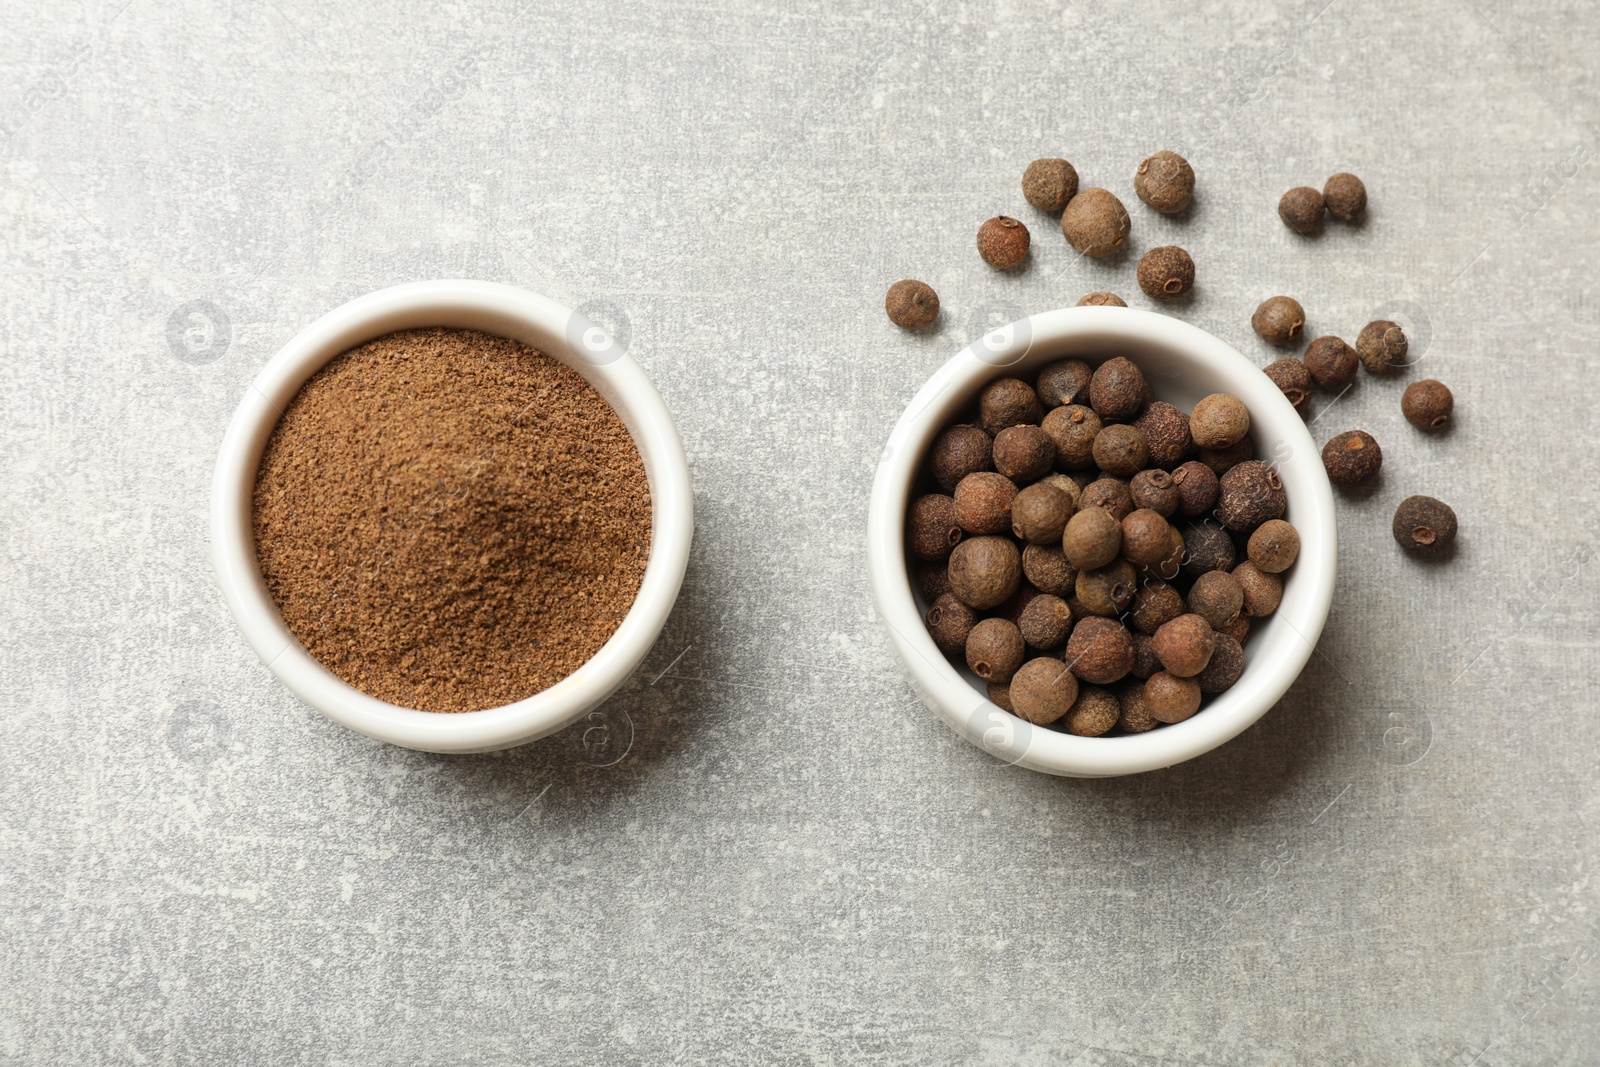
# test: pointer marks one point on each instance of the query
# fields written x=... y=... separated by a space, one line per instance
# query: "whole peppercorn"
x=985 y=571
x=1109 y=590
x=1064 y=382
x=1262 y=591
x=1238 y=629
x=1024 y=453
x=1045 y=622
x=1251 y=493
x=1222 y=460
x=1165 y=181
x=1292 y=380
x=1382 y=346
x=1039 y=513
x=933 y=580
x=1095 y=712
x=1135 y=719
x=1102 y=300
x=1184 y=645
x=1301 y=210
x=1197 y=488
x=1331 y=362
x=995 y=650
x=1227 y=664
x=1095 y=222
x=1121 y=450
x=1155 y=604
x=1279 y=320
x=1209 y=549
x=1064 y=483
x=1003 y=242
x=1427 y=404
x=1168 y=568
x=1145 y=662
x=1169 y=699
x=1092 y=539
x=1109 y=494
x=1117 y=390
x=1050 y=184
x=1352 y=457
x=949 y=623
x=932 y=529
x=1000 y=697
x=958 y=452
x=1154 y=490
x=911 y=305
x=1043 y=690
x=1100 y=651
x=1216 y=597
x=983 y=503
x=1073 y=429
x=1274 y=546
x=1007 y=402
x=1219 y=421
x=1146 y=538
x=1424 y=527
x=1166 y=272
x=1167 y=430
x=1346 y=196
x=1047 y=569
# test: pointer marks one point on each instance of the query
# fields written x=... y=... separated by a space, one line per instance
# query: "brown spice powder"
x=451 y=520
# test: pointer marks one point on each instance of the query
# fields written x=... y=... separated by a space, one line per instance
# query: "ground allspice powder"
x=451 y=520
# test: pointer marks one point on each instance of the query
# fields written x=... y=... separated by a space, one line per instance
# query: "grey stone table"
x=791 y=861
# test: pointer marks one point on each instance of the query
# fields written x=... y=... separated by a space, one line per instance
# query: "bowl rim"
x=1308 y=595
x=507 y=311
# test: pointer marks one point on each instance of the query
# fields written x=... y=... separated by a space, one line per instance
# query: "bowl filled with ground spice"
x=452 y=515
x=1102 y=541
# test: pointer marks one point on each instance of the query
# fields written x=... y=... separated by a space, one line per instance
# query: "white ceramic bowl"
x=1183 y=363
x=507 y=312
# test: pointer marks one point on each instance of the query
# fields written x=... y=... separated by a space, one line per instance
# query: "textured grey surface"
x=794 y=862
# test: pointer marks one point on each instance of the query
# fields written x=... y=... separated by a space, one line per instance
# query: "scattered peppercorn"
x=1427 y=404
x=1135 y=719
x=1047 y=569
x=911 y=305
x=1346 y=196
x=1050 y=184
x=933 y=527
x=1197 y=488
x=1117 y=390
x=1102 y=300
x=1292 y=379
x=1251 y=493
x=1064 y=382
x=1301 y=210
x=1121 y=450
x=1216 y=597
x=1092 y=539
x=983 y=503
x=1382 y=346
x=1073 y=429
x=1184 y=645
x=1165 y=181
x=1109 y=494
x=1095 y=222
x=1279 y=320
x=1045 y=622
x=995 y=650
x=1155 y=491
x=1109 y=590
x=1043 y=690
x=1100 y=651
x=1170 y=699
x=1166 y=272
x=1155 y=604
x=1352 y=457
x=1219 y=421
x=1424 y=527
x=1003 y=242
x=1007 y=402
x=1146 y=537
x=1095 y=712
x=1024 y=453
x=1331 y=362
x=1274 y=546
x=985 y=571
x=1227 y=664
x=949 y=623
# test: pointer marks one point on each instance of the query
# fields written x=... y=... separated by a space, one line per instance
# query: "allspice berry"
x=1274 y=546
x=1279 y=320
x=1100 y=651
x=1219 y=421
x=1045 y=622
x=1209 y=549
x=1292 y=379
x=1095 y=712
x=1427 y=404
x=1048 y=571
x=995 y=650
x=1043 y=690
x=1000 y=697
x=1050 y=184
x=1024 y=453
x=1227 y=664
x=1346 y=196
x=1216 y=597
x=1109 y=494
x=1197 y=488
x=1222 y=460
x=1102 y=300
x=1301 y=210
x=1003 y=242
x=1092 y=539
x=1262 y=591
x=1145 y=662
x=1250 y=494
x=933 y=580
x=1331 y=363
x=958 y=452
x=1117 y=390
x=1424 y=527
x=1167 y=430
x=1382 y=346
x=1109 y=590
x=949 y=623
x=1165 y=181
x=1065 y=381
x=932 y=530
x=1238 y=629
x=983 y=503
x=1351 y=458
x=1154 y=490
x=1007 y=402
x=1039 y=514
x=1170 y=699
x=1166 y=272
x=985 y=571
x=1184 y=645
x=911 y=305
x=1095 y=222
x=1072 y=430
x=1154 y=605
x=1121 y=450
x=1135 y=719
x=1146 y=538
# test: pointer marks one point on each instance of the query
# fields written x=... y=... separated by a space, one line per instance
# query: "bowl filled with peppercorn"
x=1102 y=541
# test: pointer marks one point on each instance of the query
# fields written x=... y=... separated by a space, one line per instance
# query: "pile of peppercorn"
x=1096 y=555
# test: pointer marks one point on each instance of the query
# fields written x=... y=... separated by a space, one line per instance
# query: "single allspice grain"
x=1095 y=712
x=1238 y=629
x=1000 y=696
x=1209 y=549
x=1092 y=539
x=1007 y=402
x=1346 y=196
x=1109 y=590
x=1216 y=597
x=1331 y=363
x=1427 y=404
x=1155 y=604
x=1382 y=346
x=949 y=623
x=1251 y=493
x=1117 y=390
x=1424 y=527
x=1047 y=569
x=1045 y=622
x=1154 y=490
x=1146 y=537
x=1184 y=645
x=1145 y=662
x=932 y=529
x=1292 y=379
x=1024 y=452
x=1043 y=690
x=1167 y=431
x=1262 y=591
x=1219 y=421
x=1121 y=450
x=1165 y=181
x=933 y=580
x=1050 y=184
x=1171 y=699
x=1227 y=664
x=1166 y=272
x=1135 y=719
x=995 y=650
x=1109 y=494
x=1279 y=320
x=1301 y=210
x=1003 y=242
x=1352 y=457
x=985 y=571
x=1095 y=222
x=1039 y=514
x=983 y=503
x=1064 y=382
x=1197 y=488
x=1072 y=429
x=1274 y=546
x=911 y=305
x=958 y=452
x=1102 y=300
x=1100 y=651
